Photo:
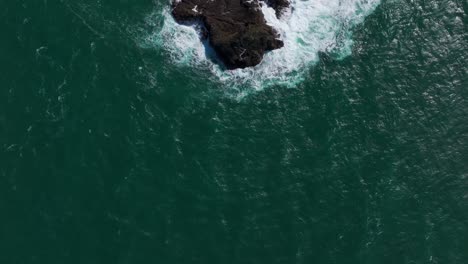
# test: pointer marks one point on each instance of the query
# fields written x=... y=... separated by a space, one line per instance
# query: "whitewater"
x=310 y=27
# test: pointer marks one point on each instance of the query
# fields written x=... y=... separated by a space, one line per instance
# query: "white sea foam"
x=311 y=27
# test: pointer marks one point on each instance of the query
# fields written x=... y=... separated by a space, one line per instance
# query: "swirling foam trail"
x=313 y=26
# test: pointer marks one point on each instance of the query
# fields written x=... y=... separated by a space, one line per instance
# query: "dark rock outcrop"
x=236 y=29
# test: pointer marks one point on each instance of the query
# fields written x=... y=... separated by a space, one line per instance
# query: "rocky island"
x=235 y=29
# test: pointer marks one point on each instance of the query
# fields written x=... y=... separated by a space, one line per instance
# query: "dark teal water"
x=111 y=154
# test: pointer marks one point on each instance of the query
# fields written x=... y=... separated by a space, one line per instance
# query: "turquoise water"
x=112 y=151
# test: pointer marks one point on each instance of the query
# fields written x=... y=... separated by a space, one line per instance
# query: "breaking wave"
x=312 y=26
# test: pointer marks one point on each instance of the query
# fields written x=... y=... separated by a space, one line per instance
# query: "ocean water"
x=121 y=143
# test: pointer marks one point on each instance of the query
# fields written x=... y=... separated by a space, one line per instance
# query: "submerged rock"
x=236 y=29
x=279 y=5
